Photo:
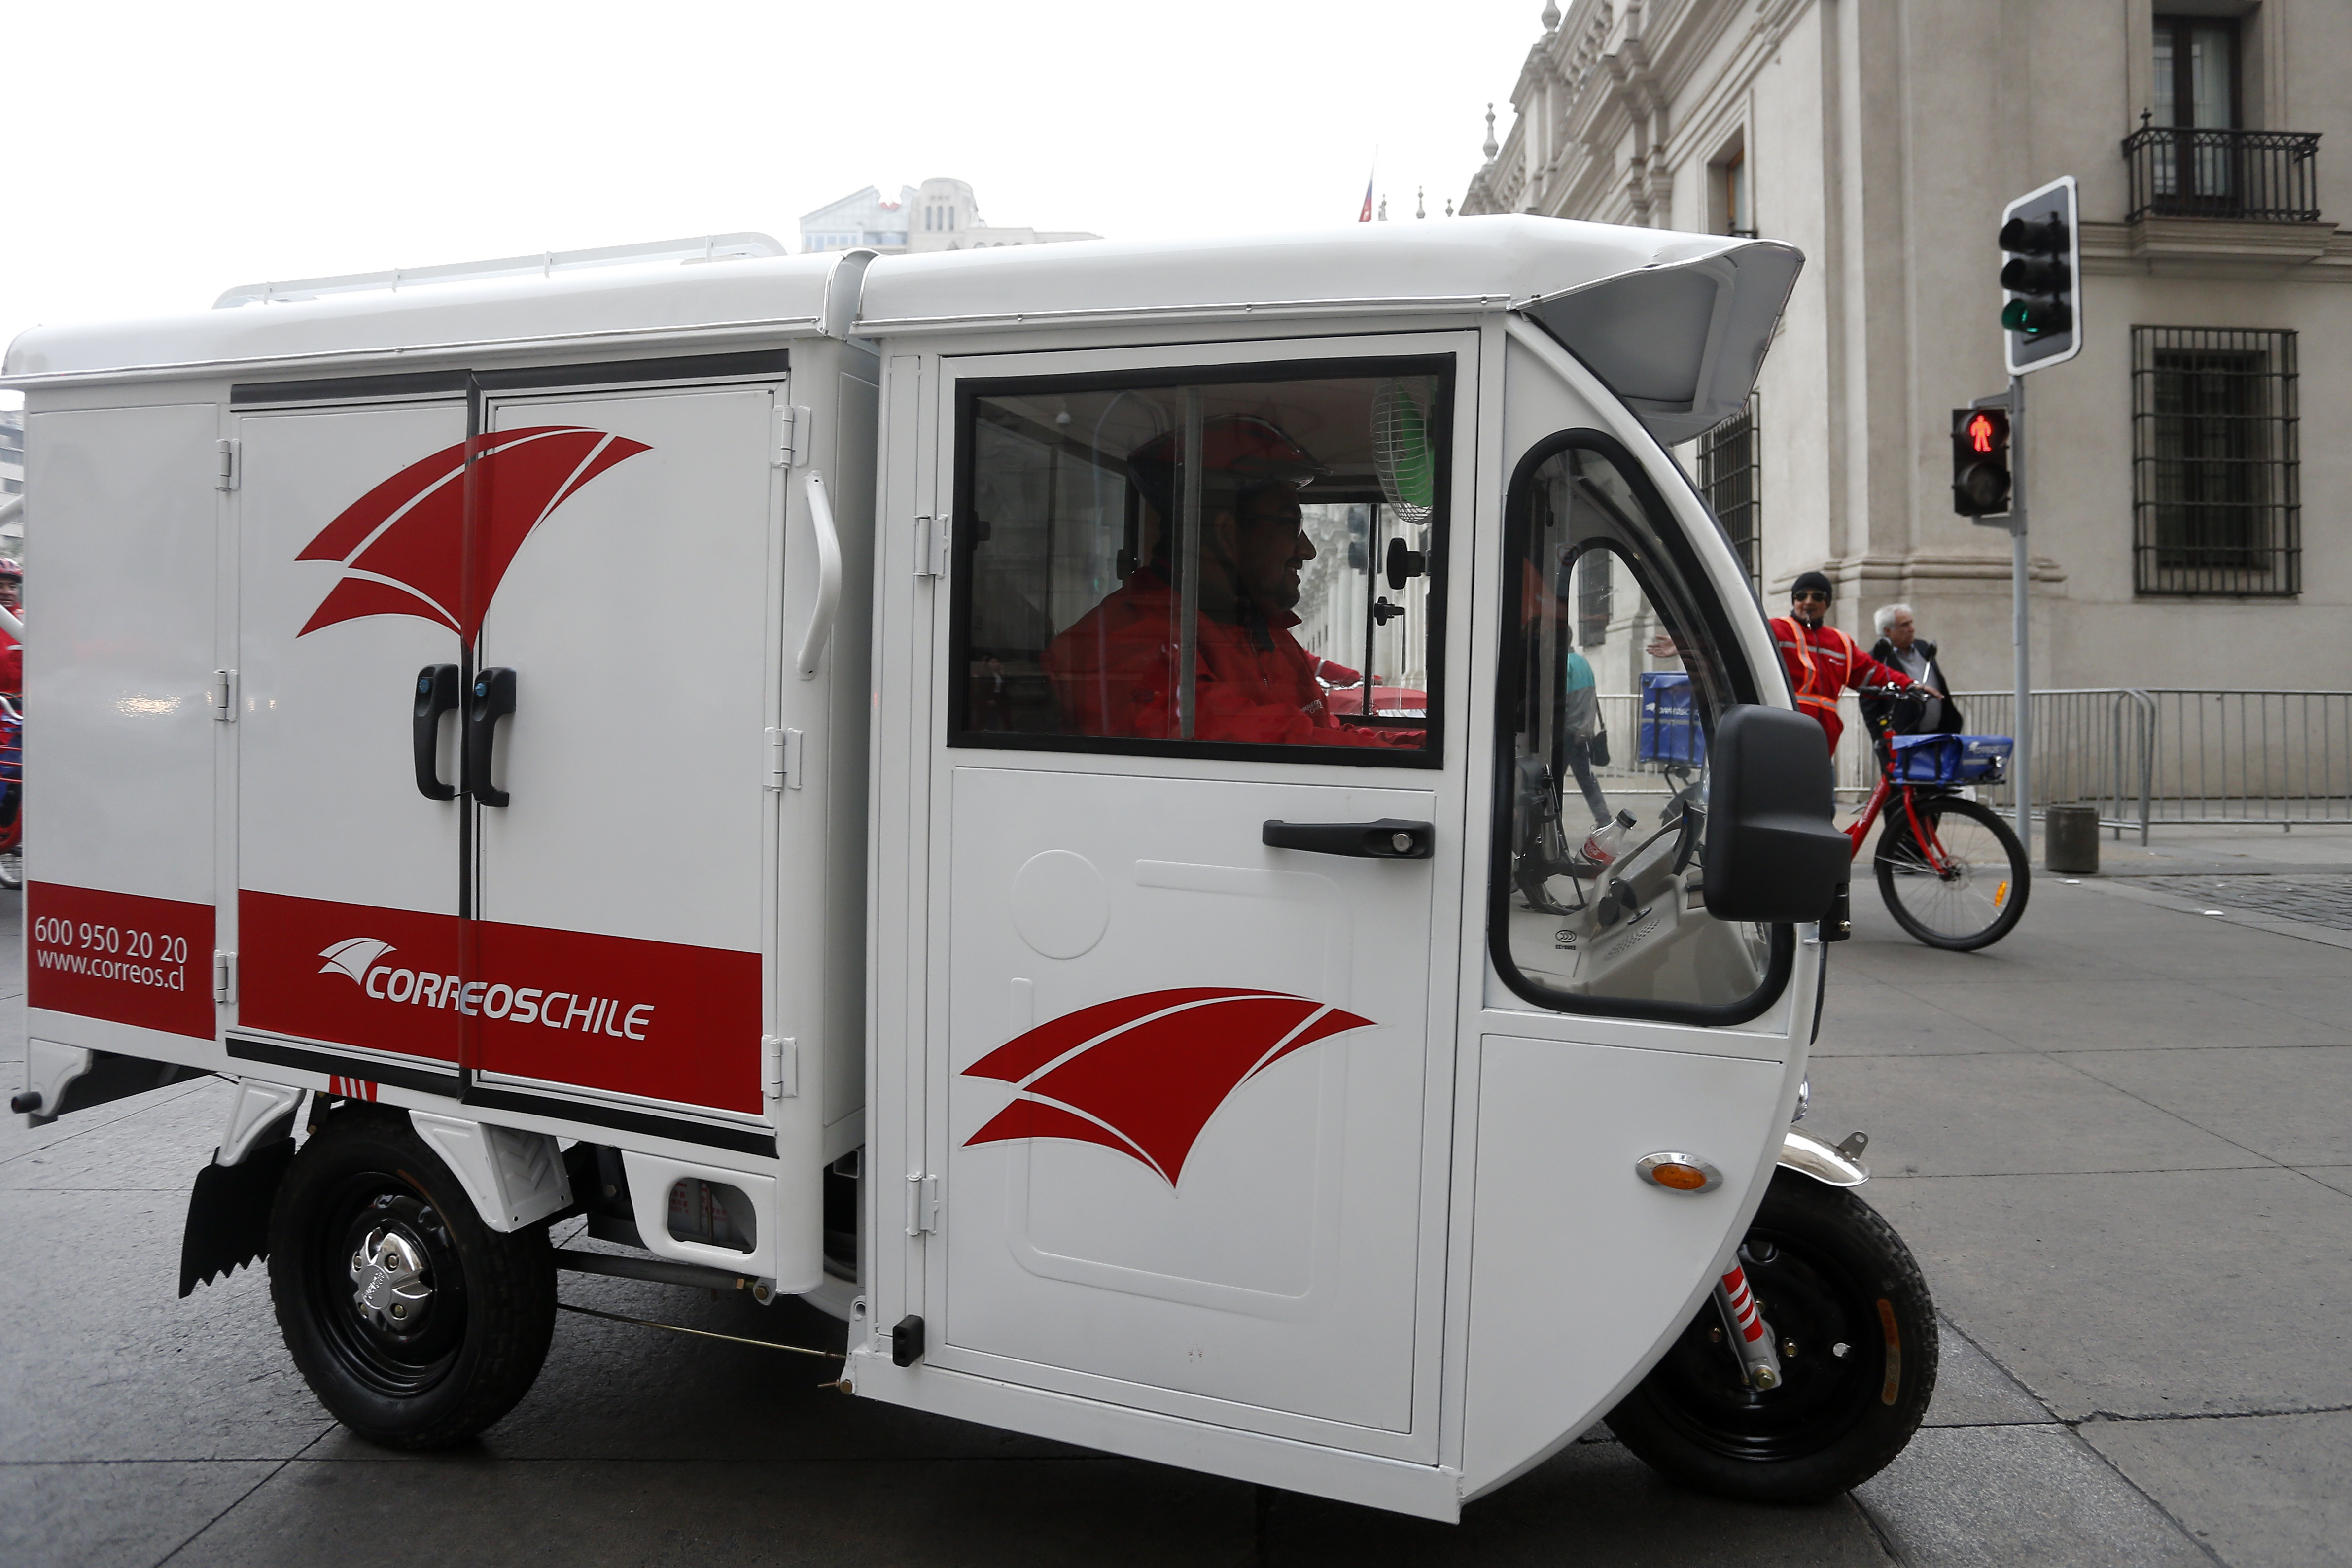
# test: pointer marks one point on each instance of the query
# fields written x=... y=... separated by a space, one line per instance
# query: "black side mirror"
x=1773 y=851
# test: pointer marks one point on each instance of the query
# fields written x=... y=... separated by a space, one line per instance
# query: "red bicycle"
x=1953 y=874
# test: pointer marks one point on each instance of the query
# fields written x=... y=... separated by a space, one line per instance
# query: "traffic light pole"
x=2022 y=625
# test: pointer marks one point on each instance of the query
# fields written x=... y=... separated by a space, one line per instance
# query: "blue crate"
x=1951 y=759
x=1671 y=733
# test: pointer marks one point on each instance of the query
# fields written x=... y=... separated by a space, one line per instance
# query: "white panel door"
x=623 y=888
x=348 y=522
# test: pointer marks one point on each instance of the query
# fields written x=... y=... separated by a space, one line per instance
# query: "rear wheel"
x=415 y=1324
x=1856 y=1335
x=1971 y=891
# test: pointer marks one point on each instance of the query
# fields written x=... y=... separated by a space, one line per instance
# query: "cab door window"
x=1613 y=672
x=1241 y=563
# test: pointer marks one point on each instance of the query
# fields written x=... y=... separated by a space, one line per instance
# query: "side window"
x=1607 y=701
x=1238 y=564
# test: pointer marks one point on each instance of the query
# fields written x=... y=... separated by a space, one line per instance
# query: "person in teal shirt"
x=1576 y=723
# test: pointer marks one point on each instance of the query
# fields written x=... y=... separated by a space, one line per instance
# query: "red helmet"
x=11 y=570
x=1239 y=453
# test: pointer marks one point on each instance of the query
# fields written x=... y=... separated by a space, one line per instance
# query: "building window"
x=2216 y=505
x=1730 y=476
x=2196 y=91
x=2196 y=72
x=1596 y=597
x=1738 y=207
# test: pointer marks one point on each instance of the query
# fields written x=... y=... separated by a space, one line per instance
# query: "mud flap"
x=229 y=1214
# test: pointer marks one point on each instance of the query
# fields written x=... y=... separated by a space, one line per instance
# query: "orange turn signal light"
x=1678 y=1172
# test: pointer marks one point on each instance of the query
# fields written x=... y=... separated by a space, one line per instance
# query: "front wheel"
x=1856 y=1330
x=415 y=1324
x=1968 y=890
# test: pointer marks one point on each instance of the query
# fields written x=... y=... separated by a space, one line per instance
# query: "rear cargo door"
x=347 y=524
x=625 y=886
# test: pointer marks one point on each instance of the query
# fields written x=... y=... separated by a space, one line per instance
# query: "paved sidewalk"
x=2116 y=1141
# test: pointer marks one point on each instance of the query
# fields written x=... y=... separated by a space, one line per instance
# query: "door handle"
x=1386 y=839
x=436 y=693
x=828 y=577
x=493 y=699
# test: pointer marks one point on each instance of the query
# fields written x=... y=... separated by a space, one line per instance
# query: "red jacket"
x=1821 y=661
x=1114 y=673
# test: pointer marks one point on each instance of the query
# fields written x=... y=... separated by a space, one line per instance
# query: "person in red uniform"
x=1115 y=671
x=12 y=652
x=1823 y=661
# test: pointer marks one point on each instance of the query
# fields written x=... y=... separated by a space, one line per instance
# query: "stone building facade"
x=937 y=214
x=2187 y=471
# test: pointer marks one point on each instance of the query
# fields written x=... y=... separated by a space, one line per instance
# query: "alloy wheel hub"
x=389 y=1289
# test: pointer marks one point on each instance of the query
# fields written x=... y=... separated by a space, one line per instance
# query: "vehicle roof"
x=1676 y=322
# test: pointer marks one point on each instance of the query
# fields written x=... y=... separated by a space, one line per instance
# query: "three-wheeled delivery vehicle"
x=1078 y=806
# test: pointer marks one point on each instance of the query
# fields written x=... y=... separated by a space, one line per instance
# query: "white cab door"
x=624 y=888
x=1181 y=1091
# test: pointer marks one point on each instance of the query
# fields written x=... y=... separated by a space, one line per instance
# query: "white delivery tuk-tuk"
x=1203 y=840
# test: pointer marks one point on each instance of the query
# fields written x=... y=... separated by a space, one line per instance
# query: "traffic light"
x=2041 y=265
x=1981 y=462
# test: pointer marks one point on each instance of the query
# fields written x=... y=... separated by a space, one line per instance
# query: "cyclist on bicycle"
x=1823 y=661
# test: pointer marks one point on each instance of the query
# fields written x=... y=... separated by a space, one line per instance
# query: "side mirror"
x=1773 y=851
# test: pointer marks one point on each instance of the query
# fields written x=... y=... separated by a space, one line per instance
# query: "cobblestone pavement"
x=2324 y=899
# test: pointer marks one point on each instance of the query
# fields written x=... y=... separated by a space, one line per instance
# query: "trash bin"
x=2071 y=839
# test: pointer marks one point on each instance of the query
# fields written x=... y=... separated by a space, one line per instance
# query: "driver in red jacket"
x=1823 y=661
x=1116 y=670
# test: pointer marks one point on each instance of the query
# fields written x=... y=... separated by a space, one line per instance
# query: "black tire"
x=1826 y=1270
x=480 y=1309
x=1982 y=897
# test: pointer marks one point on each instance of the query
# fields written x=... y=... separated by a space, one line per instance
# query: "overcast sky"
x=160 y=153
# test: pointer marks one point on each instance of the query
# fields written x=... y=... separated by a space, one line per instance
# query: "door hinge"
x=225 y=695
x=794 y=428
x=226 y=463
x=223 y=977
x=780 y=1067
x=922 y=1204
x=931 y=546
x=785 y=749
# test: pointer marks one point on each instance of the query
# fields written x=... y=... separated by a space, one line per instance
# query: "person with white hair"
x=1900 y=647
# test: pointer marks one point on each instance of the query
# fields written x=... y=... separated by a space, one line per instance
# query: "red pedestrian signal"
x=1980 y=477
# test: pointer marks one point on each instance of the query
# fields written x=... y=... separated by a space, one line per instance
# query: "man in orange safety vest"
x=1823 y=661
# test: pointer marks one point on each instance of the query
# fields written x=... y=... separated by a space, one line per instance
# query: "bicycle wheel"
x=1975 y=895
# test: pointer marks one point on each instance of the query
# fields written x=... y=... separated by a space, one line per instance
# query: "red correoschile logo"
x=355 y=957
x=401 y=545
x=1143 y=1074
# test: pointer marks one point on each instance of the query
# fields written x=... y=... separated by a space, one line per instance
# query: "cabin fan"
x=1401 y=449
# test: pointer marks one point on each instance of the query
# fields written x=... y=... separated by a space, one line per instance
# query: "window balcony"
x=2237 y=176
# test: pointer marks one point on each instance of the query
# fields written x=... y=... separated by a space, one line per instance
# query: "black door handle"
x=493 y=699
x=436 y=693
x=1386 y=839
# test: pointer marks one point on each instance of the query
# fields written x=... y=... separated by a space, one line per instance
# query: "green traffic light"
x=2036 y=317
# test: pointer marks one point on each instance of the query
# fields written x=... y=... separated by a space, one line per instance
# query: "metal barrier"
x=2148 y=755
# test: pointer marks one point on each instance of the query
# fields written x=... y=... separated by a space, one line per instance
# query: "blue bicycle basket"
x=1951 y=759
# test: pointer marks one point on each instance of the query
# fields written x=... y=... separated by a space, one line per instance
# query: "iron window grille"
x=1731 y=478
x=2216 y=498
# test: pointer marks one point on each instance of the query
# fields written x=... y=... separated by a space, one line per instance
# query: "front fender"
x=1803 y=1152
